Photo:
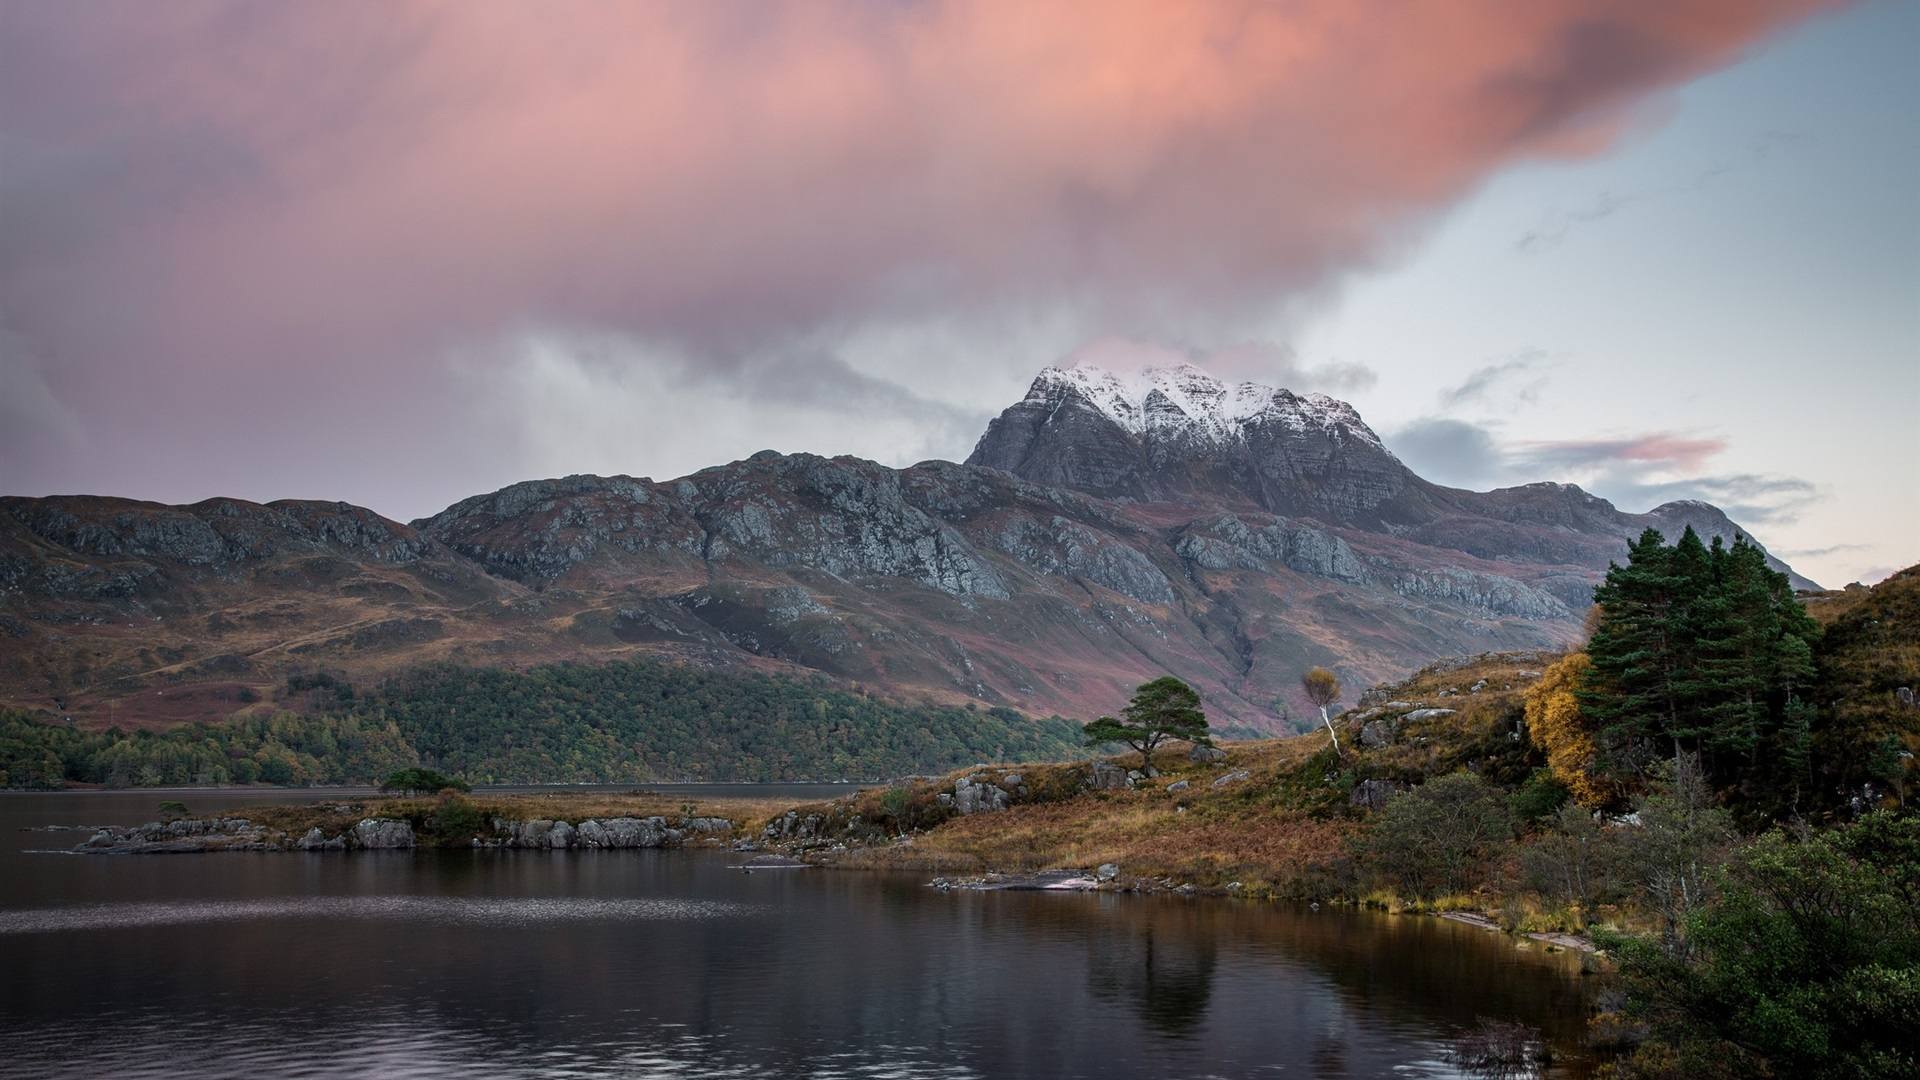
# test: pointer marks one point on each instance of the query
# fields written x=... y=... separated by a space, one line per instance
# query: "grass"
x=1253 y=831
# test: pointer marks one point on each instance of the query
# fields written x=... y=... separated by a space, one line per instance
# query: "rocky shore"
x=199 y=835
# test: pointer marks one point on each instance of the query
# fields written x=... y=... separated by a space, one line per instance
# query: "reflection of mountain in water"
x=1168 y=978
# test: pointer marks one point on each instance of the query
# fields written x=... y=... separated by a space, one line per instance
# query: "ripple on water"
x=475 y=911
x=414 y=1046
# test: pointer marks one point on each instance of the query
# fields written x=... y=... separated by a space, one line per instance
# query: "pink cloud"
x=250 y=193
x=1658 y=450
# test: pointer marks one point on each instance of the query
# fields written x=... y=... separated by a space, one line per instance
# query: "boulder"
x=1233 y=777
x=1179 y=785
x=1107 y=871
x=706 y=826
x=375 y=834
x=1106 y=776
x=970 y=797
x=315 y=840
x=792 y=826
x=1377 y=733
x=1373 y=794
x=1427 y=714
x=1201 y=754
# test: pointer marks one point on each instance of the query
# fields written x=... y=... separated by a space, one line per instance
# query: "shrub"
x=454 y=817
x=1808 y=965
x=1438 y=837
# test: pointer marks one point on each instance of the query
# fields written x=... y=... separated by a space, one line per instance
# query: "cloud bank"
x=1636 y=472
x=281 y=244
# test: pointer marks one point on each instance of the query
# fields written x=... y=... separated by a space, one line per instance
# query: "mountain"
x=1105 y=530
x=1178 y=434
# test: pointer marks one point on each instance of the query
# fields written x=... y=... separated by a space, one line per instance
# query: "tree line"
x=561 y=723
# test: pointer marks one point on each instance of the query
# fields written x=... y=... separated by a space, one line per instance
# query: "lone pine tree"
x=1163 y=709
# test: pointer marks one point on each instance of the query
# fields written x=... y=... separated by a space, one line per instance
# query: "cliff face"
x=1104 y=532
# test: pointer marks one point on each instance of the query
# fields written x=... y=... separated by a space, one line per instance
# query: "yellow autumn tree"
x=1554 y=725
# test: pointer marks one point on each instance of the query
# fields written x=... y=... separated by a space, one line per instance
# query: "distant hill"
x=1105 y=530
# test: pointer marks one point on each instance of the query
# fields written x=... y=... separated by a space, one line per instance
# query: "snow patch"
x=1184 y=398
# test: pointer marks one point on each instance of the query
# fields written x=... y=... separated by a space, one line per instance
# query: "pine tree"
x=1163 y=709
x=1700 y=649
x=1631 y=691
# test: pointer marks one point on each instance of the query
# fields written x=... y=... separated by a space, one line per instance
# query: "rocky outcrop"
x=794 y=825
x=1106 y=776
x=1373 y=794
x=386 y=834
x=376 y=834
x=178 y=837
x=1494 y=594
x=1066 y=548
x=981 y=794
x=1259 y=542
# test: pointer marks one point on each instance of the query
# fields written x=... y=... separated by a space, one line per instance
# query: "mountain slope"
x=1105 y=531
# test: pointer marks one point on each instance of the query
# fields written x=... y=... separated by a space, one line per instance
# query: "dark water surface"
x=671 y=964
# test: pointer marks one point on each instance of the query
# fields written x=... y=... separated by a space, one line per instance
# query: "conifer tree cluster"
x=1701 y=650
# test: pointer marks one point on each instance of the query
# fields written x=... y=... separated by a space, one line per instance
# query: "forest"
x=620 y=722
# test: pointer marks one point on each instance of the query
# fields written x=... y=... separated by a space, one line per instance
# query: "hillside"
x=1231 y=535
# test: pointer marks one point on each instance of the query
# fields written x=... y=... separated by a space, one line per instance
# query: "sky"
x=400 y=253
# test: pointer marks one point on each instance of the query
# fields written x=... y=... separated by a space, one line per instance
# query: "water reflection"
x=538 y=964
x=1164 y=974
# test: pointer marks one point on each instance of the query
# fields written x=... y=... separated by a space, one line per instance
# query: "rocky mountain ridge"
x=1104 y=531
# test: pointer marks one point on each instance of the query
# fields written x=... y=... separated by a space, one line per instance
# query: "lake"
x=505 y=963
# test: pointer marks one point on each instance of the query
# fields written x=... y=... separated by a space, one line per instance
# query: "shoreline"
x=827 y=835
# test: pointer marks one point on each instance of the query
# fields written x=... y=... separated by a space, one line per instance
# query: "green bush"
x=1436 y=838
x=1807 y=965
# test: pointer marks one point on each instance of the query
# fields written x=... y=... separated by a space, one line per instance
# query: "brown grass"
x=1252 y=831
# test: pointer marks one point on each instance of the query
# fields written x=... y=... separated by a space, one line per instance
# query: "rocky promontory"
x=400 y=827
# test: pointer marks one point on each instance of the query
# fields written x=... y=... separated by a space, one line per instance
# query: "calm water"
x=670 y=964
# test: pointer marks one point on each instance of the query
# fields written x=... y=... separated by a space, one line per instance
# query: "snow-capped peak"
x=1185 y=398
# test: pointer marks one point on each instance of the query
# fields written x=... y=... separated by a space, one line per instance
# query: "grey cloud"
x=1555 y=225
x=1822 y=552
x=1481 y=383
x=1451 y=452
x=1553 y=228
x=1635 y=472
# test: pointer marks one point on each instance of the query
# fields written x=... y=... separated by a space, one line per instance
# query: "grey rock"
x=315 y=840
x=1063 y=547
x=376 y=834
x=1179 y=785
x=1418 y=715
x=1202 y=754
x=792 y=825
x=624 y=832
x=970 y=797
x=1373 y=794
x=1233 y=777
x=1107 y=871
x=1106 y=776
